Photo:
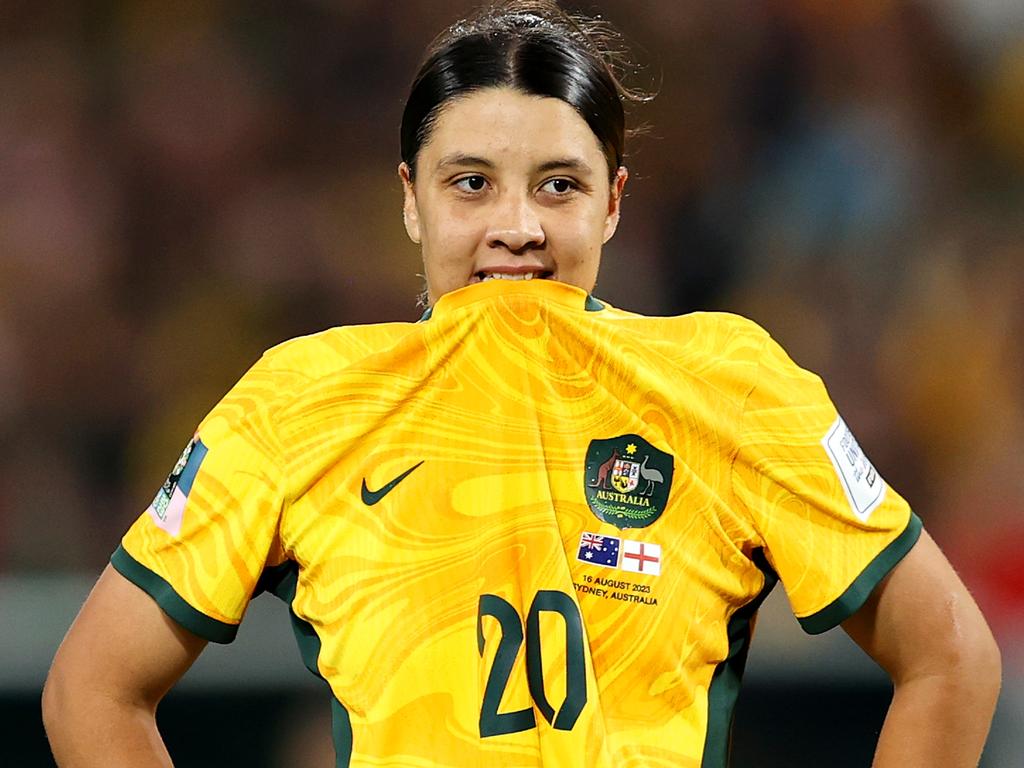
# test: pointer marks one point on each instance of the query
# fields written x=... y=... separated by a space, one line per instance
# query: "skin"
x=924 y=629
x=516 y=183
x=122 y=654
x=119 y=658
x=509 y=182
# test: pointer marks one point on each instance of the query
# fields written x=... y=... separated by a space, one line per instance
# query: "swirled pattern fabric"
x=529 y=530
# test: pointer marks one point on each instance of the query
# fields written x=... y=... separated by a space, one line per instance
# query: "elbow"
x=977 y=658
x=974 y=676
x=56 y=700
x=986 y=665
x=53 y=702
x=968 y=663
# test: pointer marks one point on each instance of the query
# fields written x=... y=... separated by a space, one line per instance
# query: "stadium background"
x=185 y=184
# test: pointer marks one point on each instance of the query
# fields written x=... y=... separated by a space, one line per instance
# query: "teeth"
x=505 y=276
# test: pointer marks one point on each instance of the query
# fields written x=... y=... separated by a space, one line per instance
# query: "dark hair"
x=535 y=47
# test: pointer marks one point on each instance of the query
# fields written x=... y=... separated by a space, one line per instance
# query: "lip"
x=542 y=272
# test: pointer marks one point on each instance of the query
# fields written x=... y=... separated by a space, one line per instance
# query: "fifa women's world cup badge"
x=168 y=507
x=627 y=481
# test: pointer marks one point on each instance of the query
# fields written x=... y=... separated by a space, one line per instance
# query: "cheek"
x=583 y=237
x=450 y=224
x=448 y=242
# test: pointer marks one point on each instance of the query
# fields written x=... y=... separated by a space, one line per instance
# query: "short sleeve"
x=831 y=527
x=201 y=546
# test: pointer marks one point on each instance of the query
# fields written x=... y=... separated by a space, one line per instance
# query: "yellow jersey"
x=529 y=530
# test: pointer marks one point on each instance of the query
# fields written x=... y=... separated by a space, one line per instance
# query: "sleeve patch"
x=168 y=508
x=864 y=489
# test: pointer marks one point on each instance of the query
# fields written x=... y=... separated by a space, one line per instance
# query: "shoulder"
x=718 y=352
x=713 y=328
x=699 y=338
x=327 y=352
x=729 y=335
x=286 y=373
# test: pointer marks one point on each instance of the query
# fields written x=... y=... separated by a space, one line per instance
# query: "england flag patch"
x=641 y=557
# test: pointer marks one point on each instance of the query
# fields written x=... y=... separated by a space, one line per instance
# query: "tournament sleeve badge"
x=627 y=481
x=168 y=508
x=863 y=487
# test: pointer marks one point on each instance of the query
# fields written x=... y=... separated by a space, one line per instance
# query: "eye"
x=474 y=183
x=560 y=186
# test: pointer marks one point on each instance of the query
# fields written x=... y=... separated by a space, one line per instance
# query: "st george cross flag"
x=641 y=557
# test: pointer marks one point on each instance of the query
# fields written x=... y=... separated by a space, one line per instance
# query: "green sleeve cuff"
x=170 y=601
x=857 y=593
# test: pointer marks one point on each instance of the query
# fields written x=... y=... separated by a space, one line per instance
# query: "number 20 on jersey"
x=495 y=723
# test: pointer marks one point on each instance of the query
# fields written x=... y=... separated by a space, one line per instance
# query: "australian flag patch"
x=599 y=550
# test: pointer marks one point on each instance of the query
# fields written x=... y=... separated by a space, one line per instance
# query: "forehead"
x=508 y=126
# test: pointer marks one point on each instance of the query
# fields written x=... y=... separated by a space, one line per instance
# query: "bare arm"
x=922 y=626
x=121 y=655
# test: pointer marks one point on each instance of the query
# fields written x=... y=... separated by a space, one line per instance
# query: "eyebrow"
x=458 y=159
x=462 y=159
x=571 y=163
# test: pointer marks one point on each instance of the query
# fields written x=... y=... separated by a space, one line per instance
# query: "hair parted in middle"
x=533 y=46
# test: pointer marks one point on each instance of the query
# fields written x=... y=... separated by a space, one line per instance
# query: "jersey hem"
x=171 y=602
x=858 y=592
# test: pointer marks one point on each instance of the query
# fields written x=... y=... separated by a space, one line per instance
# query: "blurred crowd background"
x=183 y=185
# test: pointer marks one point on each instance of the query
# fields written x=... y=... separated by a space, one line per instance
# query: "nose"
x=515 y=225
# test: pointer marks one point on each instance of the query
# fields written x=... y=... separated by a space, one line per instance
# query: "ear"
x=611 y=221
x=409 y=212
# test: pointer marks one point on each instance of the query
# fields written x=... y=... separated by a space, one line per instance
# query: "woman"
x=531 y=529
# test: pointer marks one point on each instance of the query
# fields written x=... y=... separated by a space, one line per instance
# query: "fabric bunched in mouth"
x=484 y=276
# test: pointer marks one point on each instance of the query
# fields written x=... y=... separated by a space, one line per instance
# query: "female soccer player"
x=531 y=529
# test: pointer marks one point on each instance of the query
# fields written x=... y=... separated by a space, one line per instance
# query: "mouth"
x=484 y=275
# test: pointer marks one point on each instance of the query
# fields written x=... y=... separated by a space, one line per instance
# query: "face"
x=510 y=186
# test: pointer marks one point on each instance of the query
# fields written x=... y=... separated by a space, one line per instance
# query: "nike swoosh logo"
x=372 y=497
